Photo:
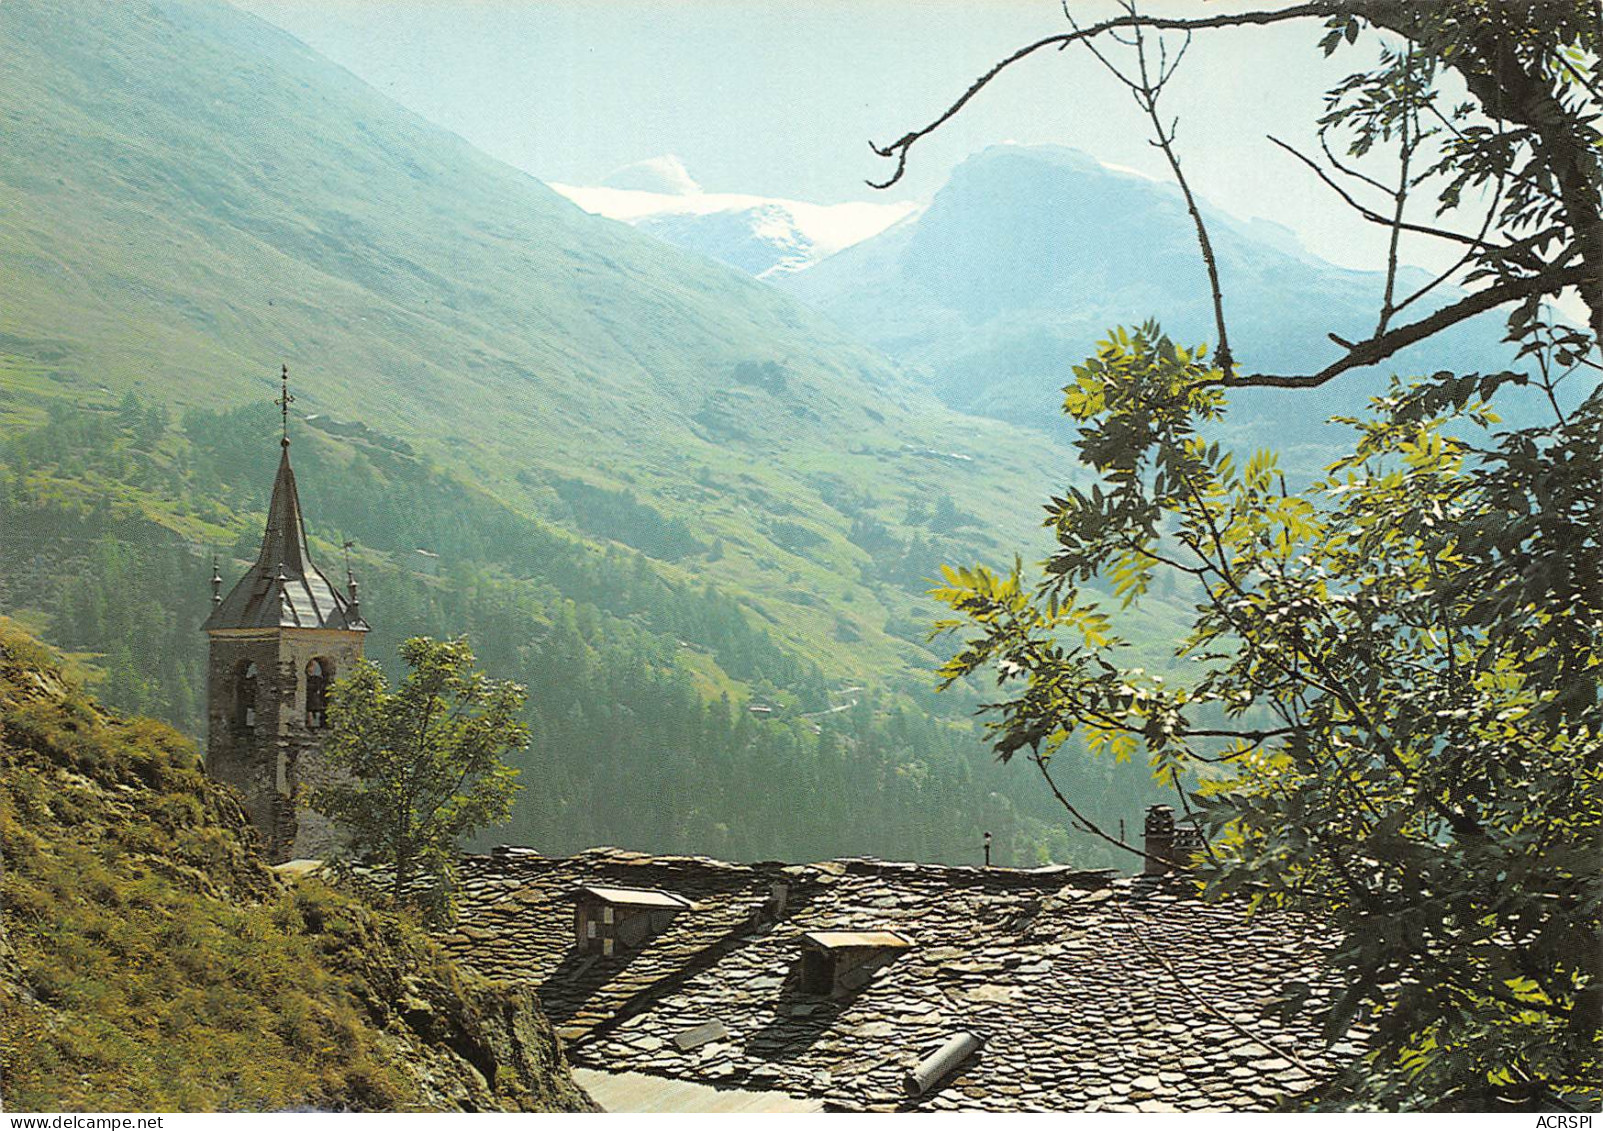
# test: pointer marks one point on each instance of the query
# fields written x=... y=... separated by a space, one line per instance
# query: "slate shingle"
x=1093 y=992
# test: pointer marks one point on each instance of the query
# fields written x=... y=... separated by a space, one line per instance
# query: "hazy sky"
x=781 y=98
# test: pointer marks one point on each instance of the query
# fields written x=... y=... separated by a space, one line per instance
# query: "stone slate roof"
x=284 y=589
x=1093 y=992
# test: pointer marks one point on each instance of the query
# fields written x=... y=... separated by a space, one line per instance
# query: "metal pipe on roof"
x=939 y=1064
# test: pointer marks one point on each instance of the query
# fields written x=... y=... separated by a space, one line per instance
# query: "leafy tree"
x=1393 y=719
x=414 y=770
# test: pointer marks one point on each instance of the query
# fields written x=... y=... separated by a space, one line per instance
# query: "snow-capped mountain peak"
x=665 y=174
x=763 y=236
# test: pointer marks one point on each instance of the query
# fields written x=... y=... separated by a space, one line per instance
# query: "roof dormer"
x=608 y=919
x=839 y=963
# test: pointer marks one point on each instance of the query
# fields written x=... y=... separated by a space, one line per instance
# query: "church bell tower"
x=279 y=638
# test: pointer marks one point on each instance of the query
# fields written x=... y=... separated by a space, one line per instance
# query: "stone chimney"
x=1159 y=840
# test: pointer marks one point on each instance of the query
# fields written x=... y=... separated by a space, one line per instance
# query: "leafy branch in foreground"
x=1394 y=705
x=413 y=770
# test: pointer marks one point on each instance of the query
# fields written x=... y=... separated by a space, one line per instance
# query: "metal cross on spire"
x=285 y=399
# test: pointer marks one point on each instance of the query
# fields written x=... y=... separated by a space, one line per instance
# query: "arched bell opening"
x=319 y=677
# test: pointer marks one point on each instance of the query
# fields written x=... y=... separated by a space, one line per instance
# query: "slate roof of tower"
x=285 y=589
x=1093 y=992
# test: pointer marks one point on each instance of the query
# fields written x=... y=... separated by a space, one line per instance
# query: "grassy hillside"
x=150 y=961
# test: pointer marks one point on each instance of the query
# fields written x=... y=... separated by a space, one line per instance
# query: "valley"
x=657 y=491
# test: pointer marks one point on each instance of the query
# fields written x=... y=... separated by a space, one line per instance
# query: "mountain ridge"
x=761 y=236
x=1029 y=254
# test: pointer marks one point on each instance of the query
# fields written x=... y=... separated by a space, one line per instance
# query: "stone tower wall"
x=234 y=753
x=270 y=762
x=315 y=835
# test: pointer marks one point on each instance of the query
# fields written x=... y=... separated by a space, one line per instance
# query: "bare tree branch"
x=899 y=148
x=1511 y=93
x=1469 y=253
x=1146 y=92
x=1090 y=826
x=1383 y=346
x=1355 y=174
x=1408 y=142
x=1375 y=217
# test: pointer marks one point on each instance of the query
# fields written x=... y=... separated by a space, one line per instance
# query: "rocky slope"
x=150 y=960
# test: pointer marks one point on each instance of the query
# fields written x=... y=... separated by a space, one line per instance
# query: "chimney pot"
x=1158 y=834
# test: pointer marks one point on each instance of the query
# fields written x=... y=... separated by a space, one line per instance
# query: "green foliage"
x=770 y=375
x=1392 y=704
x=1394 y=698
x=619 y=516
x=411 y=772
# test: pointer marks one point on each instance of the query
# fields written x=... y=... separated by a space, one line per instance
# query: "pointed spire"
x=297 y=595
x=284 y=540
